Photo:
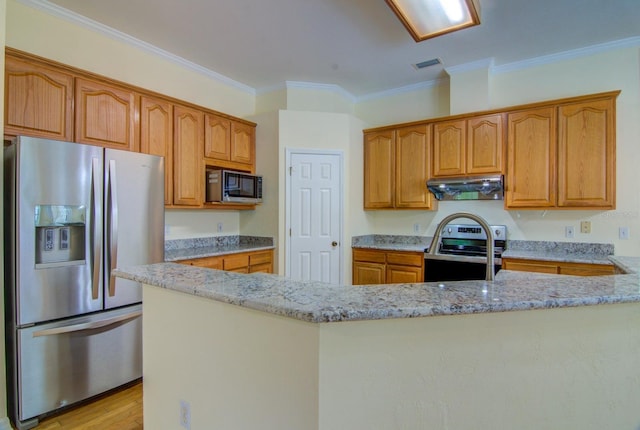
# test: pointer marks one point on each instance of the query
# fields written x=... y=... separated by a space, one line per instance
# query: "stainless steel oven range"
x=462 y=253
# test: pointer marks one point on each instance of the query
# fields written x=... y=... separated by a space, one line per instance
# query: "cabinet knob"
x=334 y=243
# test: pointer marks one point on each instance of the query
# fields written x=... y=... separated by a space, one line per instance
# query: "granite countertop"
x=573 y=252
x=385 y=242
x=186 y=249
x=318 y=302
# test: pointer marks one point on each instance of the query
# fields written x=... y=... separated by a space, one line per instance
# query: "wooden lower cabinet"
x=387 y=267
x=244 y=262
x=557 y=268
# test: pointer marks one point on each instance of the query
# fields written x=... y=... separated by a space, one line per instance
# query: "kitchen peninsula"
x=526 y=351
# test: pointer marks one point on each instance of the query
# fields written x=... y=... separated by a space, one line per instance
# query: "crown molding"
x=114 y=34
x=485 y=63
x=332 y=88
x=402 y=90
x=568 y=55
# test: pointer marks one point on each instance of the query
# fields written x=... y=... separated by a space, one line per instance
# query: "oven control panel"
x=473 y=231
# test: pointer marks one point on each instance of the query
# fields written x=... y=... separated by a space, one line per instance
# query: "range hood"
x=489 y=187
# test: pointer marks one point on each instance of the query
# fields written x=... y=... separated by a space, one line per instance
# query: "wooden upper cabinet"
x=379 y=169
x=413 y=167
x=531 y=164
x=485 y=144
x=243 y=138
x=188 y=171
x=396 y=168
x=217 y=137
x=449 y=148
x=156 y=136
x=586 y=154
x=228 y=143
x=468 y=146
x=105 y=115
x=38 y=101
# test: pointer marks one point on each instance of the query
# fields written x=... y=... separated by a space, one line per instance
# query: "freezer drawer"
x=64 y=362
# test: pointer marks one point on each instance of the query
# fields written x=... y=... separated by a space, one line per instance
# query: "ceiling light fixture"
x=430 y=18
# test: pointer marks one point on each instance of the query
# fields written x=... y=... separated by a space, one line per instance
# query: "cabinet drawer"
x=525 y=266
x=232 y=262
x=260 y=258
x=208 y=262
x=586 y=269
x=262 y=268
x=371 y=256
x=405 y=259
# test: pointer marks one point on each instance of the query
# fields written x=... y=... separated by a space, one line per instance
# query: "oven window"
x=446 y=270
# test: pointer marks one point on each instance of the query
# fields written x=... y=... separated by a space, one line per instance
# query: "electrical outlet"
x=416 y=228
x=623 y=233
x=185 y=414
x=220 y=227
x=568 y=231
x=585 y=227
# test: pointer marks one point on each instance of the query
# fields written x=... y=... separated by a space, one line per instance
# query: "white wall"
x=430 y=100
x=264 y=220
x=569 y=368
x=331 y=131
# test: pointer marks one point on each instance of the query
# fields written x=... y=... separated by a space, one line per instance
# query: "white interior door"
x=315 y=216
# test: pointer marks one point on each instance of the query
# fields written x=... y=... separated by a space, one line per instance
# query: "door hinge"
x=290 y=170
x=289 y=232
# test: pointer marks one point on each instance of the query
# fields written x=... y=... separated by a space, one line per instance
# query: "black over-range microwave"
x=231 y=186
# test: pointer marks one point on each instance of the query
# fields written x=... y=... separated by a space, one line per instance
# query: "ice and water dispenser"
x=60 y=235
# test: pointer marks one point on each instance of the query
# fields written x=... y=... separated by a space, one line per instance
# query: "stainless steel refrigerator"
x=73 y=213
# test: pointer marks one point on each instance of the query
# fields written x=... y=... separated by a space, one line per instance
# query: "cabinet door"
x=586 y=154
x=217 y=137
x=188 y=173
x=484 y=145
x=208 y=262
x=412 y=167
x=243 y=137
x=403 y=274
x=105 y=115
x=379 y=170
x=531 y=160
x=368 y=273
x=530 y=266
x=156 y=137
x=449 y=143
x=236 y=262
x=38 y=101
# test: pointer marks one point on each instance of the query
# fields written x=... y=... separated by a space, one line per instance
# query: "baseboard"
x=5 y=424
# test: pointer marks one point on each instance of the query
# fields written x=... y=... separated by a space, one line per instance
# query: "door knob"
x=334 y=243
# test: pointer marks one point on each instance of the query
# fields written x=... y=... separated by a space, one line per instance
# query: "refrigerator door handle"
x=88 y=325
x=113 y=226
x=96 y=237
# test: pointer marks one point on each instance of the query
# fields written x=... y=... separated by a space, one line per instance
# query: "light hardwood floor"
x=121 y=410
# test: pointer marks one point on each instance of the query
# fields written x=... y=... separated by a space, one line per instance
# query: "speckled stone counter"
x=184 y=249
x=317 y=302
x=387 y=242
x=567 y=252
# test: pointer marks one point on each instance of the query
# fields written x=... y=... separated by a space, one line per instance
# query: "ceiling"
x=359 y=45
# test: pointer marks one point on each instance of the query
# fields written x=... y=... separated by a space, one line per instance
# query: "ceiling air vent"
x=428 y=63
